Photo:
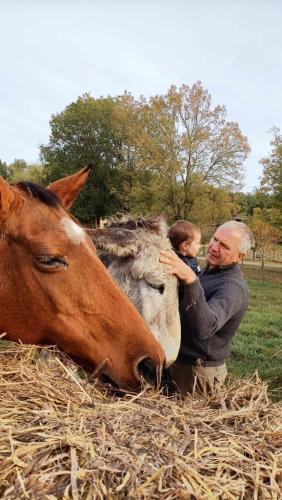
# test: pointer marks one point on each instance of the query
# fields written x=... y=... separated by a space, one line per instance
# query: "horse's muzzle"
x=145 y=370
x=150 y=371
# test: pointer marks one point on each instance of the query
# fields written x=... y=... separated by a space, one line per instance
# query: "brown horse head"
x=54 y=289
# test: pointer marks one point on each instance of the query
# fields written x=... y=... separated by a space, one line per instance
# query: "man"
x=212 y=308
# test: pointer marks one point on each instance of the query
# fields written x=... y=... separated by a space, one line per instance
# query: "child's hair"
x=181 y=231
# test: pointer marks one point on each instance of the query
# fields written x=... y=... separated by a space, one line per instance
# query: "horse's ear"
x=68 y=187
x=115 y=241
x=7 y=196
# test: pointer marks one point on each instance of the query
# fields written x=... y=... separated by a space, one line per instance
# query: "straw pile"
x=61 y=438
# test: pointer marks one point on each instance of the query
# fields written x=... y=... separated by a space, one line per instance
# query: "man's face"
x=223 y=248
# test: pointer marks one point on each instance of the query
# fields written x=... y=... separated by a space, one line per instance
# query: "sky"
x=54 y=51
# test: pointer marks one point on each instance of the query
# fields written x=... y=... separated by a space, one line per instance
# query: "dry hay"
x=62 y=439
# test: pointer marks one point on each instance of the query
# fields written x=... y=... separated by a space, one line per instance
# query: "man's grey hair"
x=246 y=236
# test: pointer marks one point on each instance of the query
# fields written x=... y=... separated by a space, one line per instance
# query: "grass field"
x=258 y=343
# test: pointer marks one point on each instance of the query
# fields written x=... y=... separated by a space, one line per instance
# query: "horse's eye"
x=160 y=288
x=50 y=261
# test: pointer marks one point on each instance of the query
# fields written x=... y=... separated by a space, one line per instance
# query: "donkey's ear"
x=115 y=241
x=7 y=196
x=68 y=187
x=159 y=224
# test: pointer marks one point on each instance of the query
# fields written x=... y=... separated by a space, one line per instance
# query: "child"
x=185 y=238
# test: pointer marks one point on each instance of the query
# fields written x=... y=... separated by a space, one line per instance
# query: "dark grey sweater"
x=211 y=312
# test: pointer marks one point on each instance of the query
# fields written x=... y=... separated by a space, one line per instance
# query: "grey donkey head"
x=130 y=249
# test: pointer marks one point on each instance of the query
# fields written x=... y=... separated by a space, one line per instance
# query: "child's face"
x=192 y=249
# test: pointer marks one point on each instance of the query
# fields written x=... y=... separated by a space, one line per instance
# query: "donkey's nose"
x=148 y=369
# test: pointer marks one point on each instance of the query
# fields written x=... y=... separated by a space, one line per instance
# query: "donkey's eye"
x=160 y=288
x=48 y=262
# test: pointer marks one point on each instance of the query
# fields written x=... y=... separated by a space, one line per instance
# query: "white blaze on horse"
x=55 y=290
x=130 y=249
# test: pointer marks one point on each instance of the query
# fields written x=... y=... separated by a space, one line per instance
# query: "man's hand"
x=177 y=267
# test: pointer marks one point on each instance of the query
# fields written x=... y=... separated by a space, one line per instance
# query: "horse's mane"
x=45 y=195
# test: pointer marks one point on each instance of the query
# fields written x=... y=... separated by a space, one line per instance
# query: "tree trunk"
x=262 y=259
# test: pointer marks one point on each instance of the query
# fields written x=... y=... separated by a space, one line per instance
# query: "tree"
x=180 y=138
x=144 y=194
x=20 y=170
x=218 y=207
x=164 y=150
x=89 y=131
x=264 y=232
x=248 y=201
x=271 y=180
x=4 y=170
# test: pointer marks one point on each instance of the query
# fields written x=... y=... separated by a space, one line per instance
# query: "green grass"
x=258 y=343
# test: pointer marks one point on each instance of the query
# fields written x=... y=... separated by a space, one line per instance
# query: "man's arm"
x=204 y=317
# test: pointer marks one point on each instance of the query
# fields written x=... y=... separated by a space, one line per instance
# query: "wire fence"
x=275 y=255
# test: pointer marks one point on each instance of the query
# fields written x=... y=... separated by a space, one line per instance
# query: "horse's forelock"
x=47 y=196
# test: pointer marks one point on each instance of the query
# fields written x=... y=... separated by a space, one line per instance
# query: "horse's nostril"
x=147 y=368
